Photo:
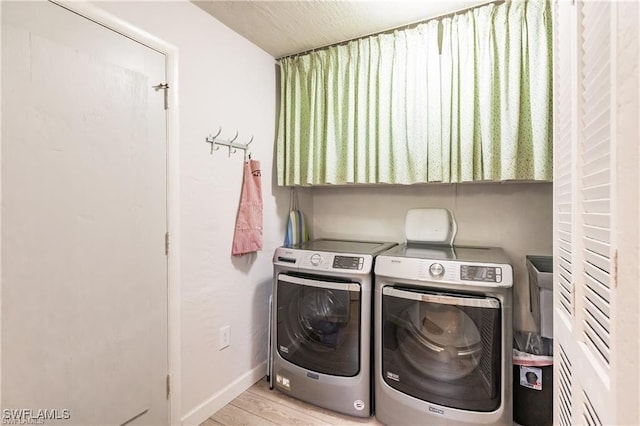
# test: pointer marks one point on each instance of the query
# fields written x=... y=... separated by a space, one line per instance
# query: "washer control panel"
x=335 y=261
x=348 y=262
x=323 y=261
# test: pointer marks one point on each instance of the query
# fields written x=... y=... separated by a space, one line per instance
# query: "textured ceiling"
x=282 y=28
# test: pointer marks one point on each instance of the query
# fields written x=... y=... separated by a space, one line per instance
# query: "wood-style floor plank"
x=230 y=415
x=210 y=422
x=277 y=413
x=261 y=406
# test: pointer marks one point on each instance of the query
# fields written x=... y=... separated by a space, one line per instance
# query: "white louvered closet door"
x=564 y=207
x=589 y=321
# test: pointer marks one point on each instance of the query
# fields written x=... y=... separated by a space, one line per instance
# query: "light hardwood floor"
x=261 y=406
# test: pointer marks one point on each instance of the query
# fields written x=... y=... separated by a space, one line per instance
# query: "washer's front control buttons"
x=316 y=259
x=436 y=270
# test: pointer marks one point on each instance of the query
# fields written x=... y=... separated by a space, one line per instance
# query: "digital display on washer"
x=489 y=274
x=348 y=262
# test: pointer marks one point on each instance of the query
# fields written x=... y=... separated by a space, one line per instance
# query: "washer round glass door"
x=442 y=348
x=318 y=323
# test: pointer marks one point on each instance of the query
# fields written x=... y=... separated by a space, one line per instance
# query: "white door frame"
x=94 y=13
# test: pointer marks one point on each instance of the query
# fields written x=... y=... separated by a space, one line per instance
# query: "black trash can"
x=532 y=379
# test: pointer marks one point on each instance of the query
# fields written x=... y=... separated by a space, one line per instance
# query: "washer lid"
x=461 y=254
x=346 y=246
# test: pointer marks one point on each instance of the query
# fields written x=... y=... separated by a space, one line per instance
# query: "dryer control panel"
x=445 y=271
x=486 y=274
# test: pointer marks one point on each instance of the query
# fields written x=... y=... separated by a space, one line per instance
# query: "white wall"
x=224 y=80
x=514 y=216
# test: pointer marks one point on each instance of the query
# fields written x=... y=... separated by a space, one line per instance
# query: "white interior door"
x=84 y=270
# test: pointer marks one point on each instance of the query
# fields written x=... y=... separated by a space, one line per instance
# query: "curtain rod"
x=391 y=30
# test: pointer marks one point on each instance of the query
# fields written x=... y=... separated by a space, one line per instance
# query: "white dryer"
x=443 y=340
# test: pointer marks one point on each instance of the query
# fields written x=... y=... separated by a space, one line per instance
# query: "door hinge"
x=166 y=243
x=168 y=385
x=165 y=87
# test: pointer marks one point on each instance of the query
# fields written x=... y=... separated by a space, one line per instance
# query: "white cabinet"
x=596 y=212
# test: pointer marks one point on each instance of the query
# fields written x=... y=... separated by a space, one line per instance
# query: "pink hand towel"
x=247 y=237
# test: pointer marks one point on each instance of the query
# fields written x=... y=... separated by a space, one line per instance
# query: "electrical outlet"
x=225 y=336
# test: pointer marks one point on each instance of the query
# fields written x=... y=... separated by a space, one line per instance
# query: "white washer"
x=443 y=321
x=321 y=326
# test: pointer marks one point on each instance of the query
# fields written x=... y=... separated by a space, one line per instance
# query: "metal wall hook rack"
x=233 y=146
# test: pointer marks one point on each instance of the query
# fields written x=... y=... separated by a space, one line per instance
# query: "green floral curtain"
x=466 y=98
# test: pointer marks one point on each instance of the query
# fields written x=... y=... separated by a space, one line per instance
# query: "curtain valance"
x=461 y=99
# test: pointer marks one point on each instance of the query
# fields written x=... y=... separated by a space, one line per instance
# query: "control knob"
x=436 y=270
x=316 y=259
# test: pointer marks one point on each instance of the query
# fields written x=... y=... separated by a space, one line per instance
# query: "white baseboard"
x=203 y=411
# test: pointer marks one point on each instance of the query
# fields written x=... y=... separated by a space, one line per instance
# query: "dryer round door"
x=318 y=324
x=440 y=341
x=442 y=348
